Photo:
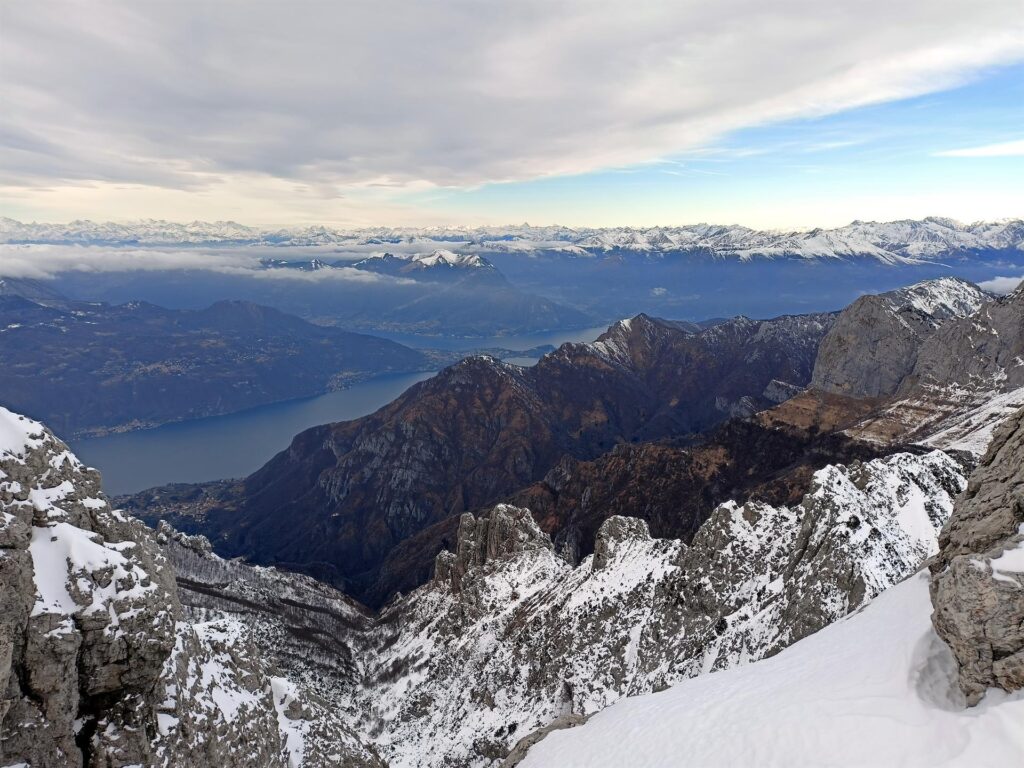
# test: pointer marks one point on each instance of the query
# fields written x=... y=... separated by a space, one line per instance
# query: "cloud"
x=1001 y=149
x=1001 y=286
x=42 y=262
x=322 y=99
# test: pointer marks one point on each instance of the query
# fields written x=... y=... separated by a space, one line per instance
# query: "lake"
x=227 y=446
x=237 y=444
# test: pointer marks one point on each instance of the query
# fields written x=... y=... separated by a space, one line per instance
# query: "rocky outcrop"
x=343 y=497
x=875 y=342
x=506 y=531
x=614 y=533
x=529 y=640
x=89 y=610
x=978 y=577
x=949 y=388
x=99 y=665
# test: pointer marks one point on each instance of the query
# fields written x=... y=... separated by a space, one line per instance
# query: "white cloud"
x=1001 y=286
x=267 y=103
x=1001 y=149
x=47 y=261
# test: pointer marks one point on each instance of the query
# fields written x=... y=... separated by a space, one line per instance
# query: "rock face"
x=981 y=351
x=89 y=610
x=978 y=577
x=528 y=640
x=875 y=342
x=345 y=496
x=967 y=377
x=99 y=665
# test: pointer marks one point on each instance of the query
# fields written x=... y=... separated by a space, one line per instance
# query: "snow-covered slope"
x=896 y=242
x=509 y=637
x=876 y=689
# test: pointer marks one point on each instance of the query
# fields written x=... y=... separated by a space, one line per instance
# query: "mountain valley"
x=693 y=500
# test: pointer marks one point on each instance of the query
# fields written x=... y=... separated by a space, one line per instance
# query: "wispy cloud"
x=1000 y=149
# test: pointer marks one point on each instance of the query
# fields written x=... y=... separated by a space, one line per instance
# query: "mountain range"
x=482 y=429
x=120 y=367
x=559 y=438
x=896 y=242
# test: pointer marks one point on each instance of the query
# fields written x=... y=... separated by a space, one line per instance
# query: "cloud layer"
x=41 y=262
x=1001 y=286
x=320 y=99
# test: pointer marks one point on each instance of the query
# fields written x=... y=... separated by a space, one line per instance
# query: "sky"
x=785 y=114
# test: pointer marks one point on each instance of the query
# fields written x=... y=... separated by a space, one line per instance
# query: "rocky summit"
x=875 y=342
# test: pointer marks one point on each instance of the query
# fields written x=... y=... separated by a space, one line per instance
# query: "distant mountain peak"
x=941 y=298
x=442 y=257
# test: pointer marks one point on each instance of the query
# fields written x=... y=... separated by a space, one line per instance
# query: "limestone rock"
x=978 y=577
x=613 y=532
x=874 y=343
x=89 y=609
x=100 y=664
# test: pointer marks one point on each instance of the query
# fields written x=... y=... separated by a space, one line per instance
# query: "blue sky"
x=877 y=162
x=792 y=113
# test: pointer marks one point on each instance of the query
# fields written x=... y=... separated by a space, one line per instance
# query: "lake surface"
x=227 y=446
x=239 y=443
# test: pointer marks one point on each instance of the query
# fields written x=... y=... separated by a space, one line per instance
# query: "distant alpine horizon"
x=11 y=229
x=897 y=241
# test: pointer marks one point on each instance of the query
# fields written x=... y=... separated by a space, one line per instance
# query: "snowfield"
x=875 y=689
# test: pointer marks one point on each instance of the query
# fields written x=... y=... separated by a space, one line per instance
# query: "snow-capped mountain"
x=433 y=264
x=144 y=232
x=896 y=242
